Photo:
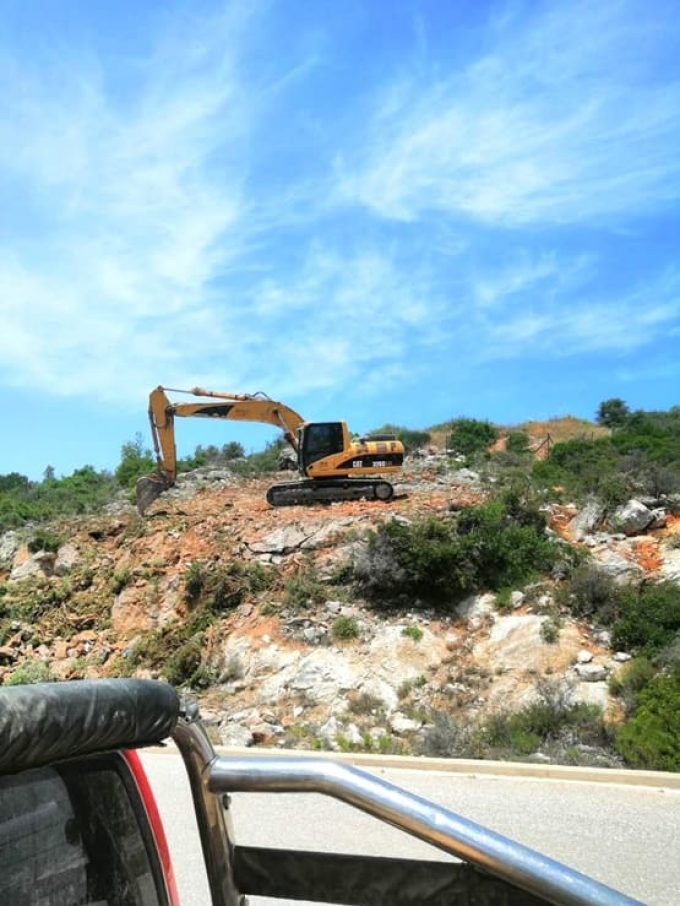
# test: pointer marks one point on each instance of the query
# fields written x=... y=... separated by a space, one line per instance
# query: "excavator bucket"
x=147 y=489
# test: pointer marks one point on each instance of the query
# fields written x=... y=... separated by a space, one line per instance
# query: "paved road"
x=627 y=837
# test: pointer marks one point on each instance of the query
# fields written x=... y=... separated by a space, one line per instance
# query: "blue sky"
x=385 y=211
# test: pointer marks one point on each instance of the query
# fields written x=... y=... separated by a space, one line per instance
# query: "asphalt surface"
x=627 y=837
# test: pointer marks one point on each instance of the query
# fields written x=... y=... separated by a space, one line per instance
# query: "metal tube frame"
x=512 y=862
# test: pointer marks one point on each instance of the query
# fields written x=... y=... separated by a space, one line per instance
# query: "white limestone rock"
x=632 y=518
x=587 y=521
x=9 y=545
x=591 y=673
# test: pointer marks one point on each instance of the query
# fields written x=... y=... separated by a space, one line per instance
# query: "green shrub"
x=135 y=462
x=364 y=704
x=305 y=589
x=221 y=587
x=651 y=738
x=413 y=632
x=44 y=540
x=446 y=738
x=424 y=560
x=119 y=580
x=23 y=501
x=233 y=450
x=181 y=666
x=630 y=680
x=409 y=685
x=649 y=618
x=468 y=435
x=494 y=545
x=506 y=541
x=642 y=455
x=550 y=630
x=552 y=717
x=194 y=580
x=344 y=628
x=591 y=592
x=262 y=462
x=517 y=442
x=613 y=413
x=33 y=671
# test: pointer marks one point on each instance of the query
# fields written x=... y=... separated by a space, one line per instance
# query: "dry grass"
x=566 y=427
x=560 y=429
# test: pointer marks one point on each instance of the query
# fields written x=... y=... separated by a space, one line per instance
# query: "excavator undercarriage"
x=329 y=490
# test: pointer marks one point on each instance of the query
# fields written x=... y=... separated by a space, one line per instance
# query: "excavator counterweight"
x=335 y=466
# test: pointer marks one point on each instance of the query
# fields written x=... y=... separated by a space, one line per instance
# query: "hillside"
x=265 y=615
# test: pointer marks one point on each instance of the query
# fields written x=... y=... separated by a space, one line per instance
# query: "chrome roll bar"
x=511 y=862
x=517 y=864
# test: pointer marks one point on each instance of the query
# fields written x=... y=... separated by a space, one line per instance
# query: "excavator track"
x=329 y=490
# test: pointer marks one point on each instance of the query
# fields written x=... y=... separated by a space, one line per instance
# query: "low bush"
x=591 y=592
x=553 y=717
x=305 y=589
x=413 y=632
x=446 y=738
x=230 y=585
x=364 y=704
x=517 y=442
x=468 y=435
x=221 y=587
x=550 y=630
x=44 y=540
x=642 y=455
x=182 y=666
x=194 y=581
x=33 y=671
x=497 y=544
x=630 y=680
x=649 y=618
x=344 y=628
x=119 y=580
x=651 y=737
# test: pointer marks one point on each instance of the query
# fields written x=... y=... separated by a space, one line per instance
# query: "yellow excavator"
x=334 y=466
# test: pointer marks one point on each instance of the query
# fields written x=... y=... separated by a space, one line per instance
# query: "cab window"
x=75 y=835
x=322 y=439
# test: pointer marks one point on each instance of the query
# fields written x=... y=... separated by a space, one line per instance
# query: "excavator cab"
x=317 y=440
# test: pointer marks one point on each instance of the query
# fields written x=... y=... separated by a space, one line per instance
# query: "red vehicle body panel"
x=149 y=800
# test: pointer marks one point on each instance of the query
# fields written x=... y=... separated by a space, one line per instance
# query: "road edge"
x=468 y=766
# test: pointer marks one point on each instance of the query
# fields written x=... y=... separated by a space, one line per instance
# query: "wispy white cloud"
x=339 y=315
x=153 y=240
x=567 y=118
x=542 y=272
x=568 y=325
x=132 y=215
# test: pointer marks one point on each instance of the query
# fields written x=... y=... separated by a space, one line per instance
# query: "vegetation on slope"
x=498 y=545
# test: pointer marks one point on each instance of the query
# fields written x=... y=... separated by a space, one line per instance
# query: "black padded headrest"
x=48 y=722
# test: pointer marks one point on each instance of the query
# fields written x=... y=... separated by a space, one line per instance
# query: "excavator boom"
x=234 y=406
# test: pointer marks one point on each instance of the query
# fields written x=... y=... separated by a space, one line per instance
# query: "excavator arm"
x=238 y=407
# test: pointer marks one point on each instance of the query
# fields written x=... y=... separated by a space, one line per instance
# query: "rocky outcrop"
x=41 y=563
x=670 y=564
x=633 y=518
x=9 y=545
x=587 y=520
